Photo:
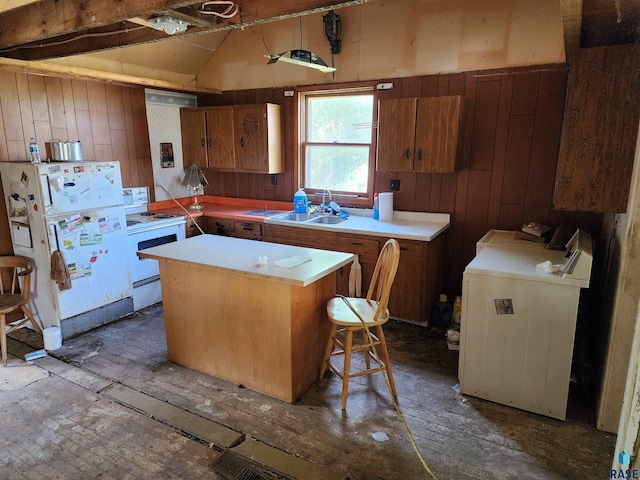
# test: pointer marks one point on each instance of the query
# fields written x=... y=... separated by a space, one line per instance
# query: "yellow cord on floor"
x=386 y=382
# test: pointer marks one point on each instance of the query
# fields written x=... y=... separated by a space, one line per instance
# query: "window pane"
x=337 y=168
x=332 y=119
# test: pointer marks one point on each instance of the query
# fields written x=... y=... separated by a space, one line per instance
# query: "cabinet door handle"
x=202 y=142
x=407 y=153
x=210 y=142
x=247 y=227
x=420 y=154
x=356 y=243
x=403 y=249
x=242 y=142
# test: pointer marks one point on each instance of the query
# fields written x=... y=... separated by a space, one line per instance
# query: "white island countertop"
x=242 y=256
x=405 y=225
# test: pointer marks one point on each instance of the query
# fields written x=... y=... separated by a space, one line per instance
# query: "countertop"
x=242 y=256
x=520 y=263
x=405 y=225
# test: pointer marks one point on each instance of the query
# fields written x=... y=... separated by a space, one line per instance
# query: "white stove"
x=137 y=222
x=145 y=230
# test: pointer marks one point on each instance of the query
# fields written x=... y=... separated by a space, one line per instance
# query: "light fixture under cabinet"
x=168 y=25
x=304 y=58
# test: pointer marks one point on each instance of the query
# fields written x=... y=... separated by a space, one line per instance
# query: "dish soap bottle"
x=376 y=207
x=300 y=201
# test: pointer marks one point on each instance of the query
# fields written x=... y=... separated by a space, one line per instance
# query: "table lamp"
x=194 y=179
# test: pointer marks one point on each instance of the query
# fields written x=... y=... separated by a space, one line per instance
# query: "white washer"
x=518 y=325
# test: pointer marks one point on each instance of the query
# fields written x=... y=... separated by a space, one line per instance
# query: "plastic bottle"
x=34 y=151
x=300 y=201
x=441 y=312
x=376 y=207
x=457 y=311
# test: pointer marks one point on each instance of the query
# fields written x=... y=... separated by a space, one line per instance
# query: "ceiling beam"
x=54 y=19
x=50 y=69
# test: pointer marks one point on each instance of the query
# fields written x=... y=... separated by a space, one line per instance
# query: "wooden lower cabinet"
x=233 y=228
x=190 y=227
x=367 y=251
x=420 y=273
x=300 y=237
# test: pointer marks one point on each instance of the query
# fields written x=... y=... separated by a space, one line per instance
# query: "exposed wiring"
x=195 y=222
x=386 y=382
x=230 y=12
x=69 y=40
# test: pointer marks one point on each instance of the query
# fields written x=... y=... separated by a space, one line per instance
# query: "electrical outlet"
x=394 y=185
x=274 y=179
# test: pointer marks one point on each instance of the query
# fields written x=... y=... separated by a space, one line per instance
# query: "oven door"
x=146 y=268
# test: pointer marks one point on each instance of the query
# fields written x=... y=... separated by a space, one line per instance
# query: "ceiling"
x=34 y=30
x=45 y=29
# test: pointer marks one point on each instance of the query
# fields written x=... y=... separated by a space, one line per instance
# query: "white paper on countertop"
x=294 y=261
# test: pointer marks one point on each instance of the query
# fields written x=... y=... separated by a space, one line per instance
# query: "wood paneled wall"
x=512 y=136
x=110 y=122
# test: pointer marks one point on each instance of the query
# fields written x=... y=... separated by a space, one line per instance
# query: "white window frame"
x=348 y=199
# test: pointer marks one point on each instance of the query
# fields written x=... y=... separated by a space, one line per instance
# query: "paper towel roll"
x=385 y=200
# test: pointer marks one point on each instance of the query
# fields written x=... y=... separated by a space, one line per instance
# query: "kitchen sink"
x=294 y=217
x=308 y=218
x=328 y=220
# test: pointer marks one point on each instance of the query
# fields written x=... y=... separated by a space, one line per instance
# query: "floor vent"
x=235 y=467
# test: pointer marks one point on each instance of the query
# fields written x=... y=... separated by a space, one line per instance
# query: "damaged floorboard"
x=459 y=437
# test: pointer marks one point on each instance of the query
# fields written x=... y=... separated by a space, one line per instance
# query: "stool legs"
x=3 y=339
x=328 y=350
x=385 y=358
x=348 y=347
x=347 y=366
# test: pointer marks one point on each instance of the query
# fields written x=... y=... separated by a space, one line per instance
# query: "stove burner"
x=164 y=215
x=147 y=214
x=132 y=222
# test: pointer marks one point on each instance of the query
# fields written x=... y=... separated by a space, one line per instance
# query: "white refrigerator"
x=76 y=208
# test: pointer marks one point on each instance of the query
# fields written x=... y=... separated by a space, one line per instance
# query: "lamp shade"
x=194 y=178
x=304 y=58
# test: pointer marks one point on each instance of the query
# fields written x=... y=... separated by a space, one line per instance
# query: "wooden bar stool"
x=350 y=314
x=15 y=284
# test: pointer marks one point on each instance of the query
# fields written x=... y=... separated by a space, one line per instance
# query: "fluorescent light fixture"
x=304 y=58
x=168 y=25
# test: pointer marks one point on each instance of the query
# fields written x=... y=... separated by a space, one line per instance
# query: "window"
x=336 y=142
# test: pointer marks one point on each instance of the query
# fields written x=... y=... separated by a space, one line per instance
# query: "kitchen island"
x=262 y=326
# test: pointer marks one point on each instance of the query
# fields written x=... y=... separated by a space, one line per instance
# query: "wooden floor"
x=459 y=437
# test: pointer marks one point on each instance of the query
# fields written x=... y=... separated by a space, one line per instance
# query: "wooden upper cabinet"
x=396 y=134
x=220 y=138
x=599 y=130
x=258 y=138
x=438 y=145
x=420 y=134
x=233 y=138
x=194 y=141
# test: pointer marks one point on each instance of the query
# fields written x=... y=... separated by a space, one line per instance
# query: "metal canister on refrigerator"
x=75 y=151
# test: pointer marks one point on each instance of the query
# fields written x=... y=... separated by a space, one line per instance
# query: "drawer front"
x=365 y=248
x=249 y=230
x=301 y=237
x=412 y=249
x=219 y=226
x=191 y=229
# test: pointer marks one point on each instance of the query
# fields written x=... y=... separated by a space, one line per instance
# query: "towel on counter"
x=59 y=270
x=355 y=279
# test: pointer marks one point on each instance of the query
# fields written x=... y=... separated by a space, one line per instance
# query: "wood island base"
x=266 y=335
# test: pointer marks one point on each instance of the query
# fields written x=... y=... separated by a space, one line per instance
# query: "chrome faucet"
x=324 y=205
